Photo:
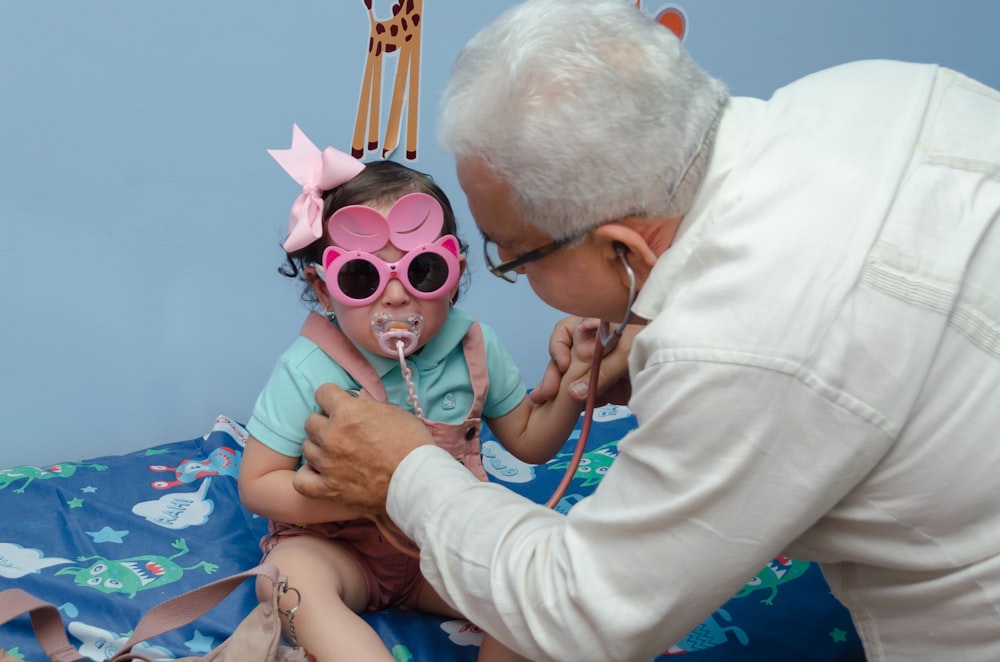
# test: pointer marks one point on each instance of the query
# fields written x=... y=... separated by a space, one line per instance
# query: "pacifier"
x=389 y=331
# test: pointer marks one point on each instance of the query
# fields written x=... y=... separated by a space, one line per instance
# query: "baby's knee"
x=321 y=571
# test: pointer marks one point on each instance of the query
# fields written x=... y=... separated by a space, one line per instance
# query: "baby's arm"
x=265 y=486
x=534 y=432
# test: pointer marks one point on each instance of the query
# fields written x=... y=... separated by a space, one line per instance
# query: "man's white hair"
x=589 y=109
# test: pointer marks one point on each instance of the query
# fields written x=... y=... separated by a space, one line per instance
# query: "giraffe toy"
x=399 y=34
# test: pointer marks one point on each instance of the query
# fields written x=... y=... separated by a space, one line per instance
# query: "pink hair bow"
x=317 y=172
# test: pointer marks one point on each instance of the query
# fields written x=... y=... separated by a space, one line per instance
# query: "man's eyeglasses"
x=508 y=270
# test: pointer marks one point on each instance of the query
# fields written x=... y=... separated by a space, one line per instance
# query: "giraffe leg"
x=398 y=94
x=364 y=101
x=413 y=100
x=376 y=105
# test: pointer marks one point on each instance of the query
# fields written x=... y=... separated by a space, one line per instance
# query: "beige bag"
x=256 y=639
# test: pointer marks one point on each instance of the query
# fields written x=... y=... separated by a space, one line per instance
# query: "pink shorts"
x=393 y=577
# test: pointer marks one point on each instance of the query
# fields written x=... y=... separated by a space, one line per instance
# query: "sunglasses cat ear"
x=329 y=255
x=449 y=242
x=416 y=219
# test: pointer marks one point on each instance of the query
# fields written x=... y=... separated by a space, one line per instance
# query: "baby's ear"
x=448 y=242
x=318 y=285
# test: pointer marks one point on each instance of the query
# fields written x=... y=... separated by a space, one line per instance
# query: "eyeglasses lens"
x=492 y=254
x=493 y=259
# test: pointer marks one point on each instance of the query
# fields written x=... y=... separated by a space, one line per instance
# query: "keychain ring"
x=285 y=589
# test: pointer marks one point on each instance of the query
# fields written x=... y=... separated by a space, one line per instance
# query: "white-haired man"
x=819 y=373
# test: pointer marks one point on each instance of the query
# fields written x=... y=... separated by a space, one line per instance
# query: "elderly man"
x=819 y=373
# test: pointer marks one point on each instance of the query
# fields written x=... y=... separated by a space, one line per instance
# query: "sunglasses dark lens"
x=358 y=279
x=427 y=272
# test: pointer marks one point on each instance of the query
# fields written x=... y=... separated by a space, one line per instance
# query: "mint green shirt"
x=439 y=373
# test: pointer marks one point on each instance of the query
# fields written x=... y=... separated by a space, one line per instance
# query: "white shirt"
x=820 y=377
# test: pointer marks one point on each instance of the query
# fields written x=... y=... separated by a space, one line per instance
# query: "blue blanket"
x=105 y=539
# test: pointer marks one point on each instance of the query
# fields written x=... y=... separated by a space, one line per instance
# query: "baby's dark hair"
x=379 y=182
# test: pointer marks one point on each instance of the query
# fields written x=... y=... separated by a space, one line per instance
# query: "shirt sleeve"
x=506 y=388
x=712 y=484
x=281 y=410
x=289 y=396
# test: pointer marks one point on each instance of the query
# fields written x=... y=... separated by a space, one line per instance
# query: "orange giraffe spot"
x=399 y=34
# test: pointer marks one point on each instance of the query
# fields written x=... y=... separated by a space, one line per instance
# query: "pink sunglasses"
x=356 y=278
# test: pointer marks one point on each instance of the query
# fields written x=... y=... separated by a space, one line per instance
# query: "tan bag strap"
x=45 y=621
x=187 y=607
x=335 y=344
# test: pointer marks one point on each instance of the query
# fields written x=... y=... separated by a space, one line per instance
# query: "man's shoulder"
x=861 y=77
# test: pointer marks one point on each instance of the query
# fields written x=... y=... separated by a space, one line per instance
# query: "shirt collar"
x=737 y=128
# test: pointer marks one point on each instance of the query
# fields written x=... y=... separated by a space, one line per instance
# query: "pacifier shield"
x=390 y=330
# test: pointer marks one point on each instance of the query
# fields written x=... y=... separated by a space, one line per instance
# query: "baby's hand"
x=576 y=378
x=572 y=340
x=572 y=346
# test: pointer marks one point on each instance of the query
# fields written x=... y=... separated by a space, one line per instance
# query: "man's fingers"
x=314 y=427
x=308 y=482
x=310 y=449
x=327 y=396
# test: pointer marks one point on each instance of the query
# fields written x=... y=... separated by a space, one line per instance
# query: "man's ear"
x=318 y=286
x=639 y=251
x=621 y=238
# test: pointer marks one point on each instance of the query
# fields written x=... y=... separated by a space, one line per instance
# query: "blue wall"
x=140 y=217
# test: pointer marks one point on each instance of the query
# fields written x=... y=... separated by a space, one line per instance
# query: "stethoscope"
x=608 y=340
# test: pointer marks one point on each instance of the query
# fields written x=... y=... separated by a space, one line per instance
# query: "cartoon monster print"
x=222 y=461
x=29 y=473
x=593 y=465
x=134 y=574
x=708 y=634
x=779 y=571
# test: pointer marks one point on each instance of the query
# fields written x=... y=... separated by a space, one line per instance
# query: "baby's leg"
x=333 y=590
x=428 y=601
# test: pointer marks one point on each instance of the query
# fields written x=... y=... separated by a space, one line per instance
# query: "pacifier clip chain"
x=411 y=398
x=401 y=336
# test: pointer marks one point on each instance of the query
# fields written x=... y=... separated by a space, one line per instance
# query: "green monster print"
x=29 y=473
x=779 y=571
x=134 y=574
x=401 y=653
x=593 y=465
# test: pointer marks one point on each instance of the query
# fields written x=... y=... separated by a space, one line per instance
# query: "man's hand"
x=354 y=447
x=575 y=339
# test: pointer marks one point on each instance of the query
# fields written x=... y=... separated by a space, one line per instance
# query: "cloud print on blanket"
x=101 y=644
x=17 y=561
x=178 y=510
x=500 y=464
